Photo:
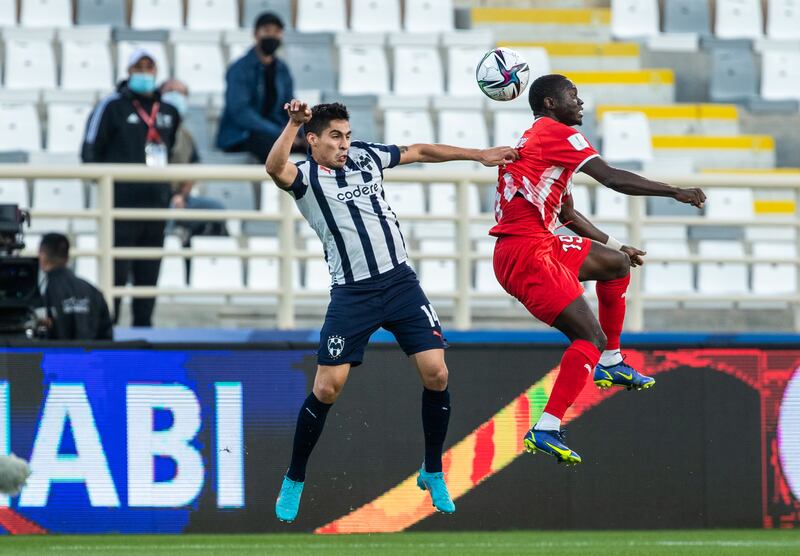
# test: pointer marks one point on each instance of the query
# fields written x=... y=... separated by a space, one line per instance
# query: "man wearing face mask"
x=257 y=86
x=134 y=126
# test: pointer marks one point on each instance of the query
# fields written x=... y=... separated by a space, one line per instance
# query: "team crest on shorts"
x=335 y=346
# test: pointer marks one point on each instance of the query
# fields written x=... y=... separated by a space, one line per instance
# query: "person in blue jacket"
x=258 y=85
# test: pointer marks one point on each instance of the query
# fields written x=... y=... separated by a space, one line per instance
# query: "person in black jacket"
x=133 y=126
x=75 y=309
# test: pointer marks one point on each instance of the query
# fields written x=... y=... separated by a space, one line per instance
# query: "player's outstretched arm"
x=424 y=152
x=283 y=172
x=634 y=184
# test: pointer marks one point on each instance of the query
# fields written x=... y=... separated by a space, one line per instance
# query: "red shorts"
x=541 y=272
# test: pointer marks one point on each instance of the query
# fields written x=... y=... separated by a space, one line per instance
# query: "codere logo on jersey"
x=358 y=191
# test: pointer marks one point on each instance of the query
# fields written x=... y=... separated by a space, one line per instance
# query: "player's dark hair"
x=545 y=86
x=323 y=114
x=55 y=247
x=267 y=18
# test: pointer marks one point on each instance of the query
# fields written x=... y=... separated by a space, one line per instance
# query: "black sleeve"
x=105 y=327
x=98 y=133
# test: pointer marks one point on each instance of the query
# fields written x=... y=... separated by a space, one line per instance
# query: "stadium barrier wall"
x=464 y=256
x=146 y=438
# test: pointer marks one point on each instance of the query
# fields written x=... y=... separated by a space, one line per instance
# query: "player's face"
x=331 y=146
x=569 y=108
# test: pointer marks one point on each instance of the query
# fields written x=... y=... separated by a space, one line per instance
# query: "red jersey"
x=549 y=154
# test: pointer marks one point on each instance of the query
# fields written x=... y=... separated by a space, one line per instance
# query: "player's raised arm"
x=633 y=184
x=283 y=172
x=424 y=152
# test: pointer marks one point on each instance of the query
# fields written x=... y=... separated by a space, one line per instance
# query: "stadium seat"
x=405 y=127
x=321 y=15
x=437 y=276
x=263 y=272
x=579 y=56
x=173 y=267
x=212 y=14
x=425 y=16
x=610 y=204
x=739 y=19
x=66 y=123
x=417 y=66
x=509 y=125
x=52 y=194
x=485 y=279
x=775 y=278
x=581 y=199
x=783 y=19
x=234 y=195
x=729 y=203
x=463 y=127
x=157 y=14
x=14 y=192
x=86 y=266
x=8 y=13
x=157 y=49
x=538 y=61
x=721 y=278
x=310 y=58
x=197 y=124
x=780 y=75
x=316 y=274
x=19 y=128
x=442 y=199
x=200 y=66
x=86 y=66
x=45 y=13
x=646 y=86
x=209 y=272
x=664 y=278
x=366 y=70
x=464 y=49
x=626 y=137
x=362 y=110
x=29 y=64
x=733 y=75
x=687 y=16
x=634 y=18
x=375 y=16
x=253 y=8
x=269 y=204
x=101 y=12
x=405 y=199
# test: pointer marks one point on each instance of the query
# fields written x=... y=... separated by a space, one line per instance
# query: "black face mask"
x=268 y=45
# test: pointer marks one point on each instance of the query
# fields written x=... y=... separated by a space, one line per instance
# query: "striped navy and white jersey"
x=348 y=210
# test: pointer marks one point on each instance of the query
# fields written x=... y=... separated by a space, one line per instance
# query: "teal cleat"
x=552 y=443
x=434 y=483
x=623 y=375
x=288 y=502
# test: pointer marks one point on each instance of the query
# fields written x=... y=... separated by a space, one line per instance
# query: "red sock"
x=611 y=301
x=577 y=363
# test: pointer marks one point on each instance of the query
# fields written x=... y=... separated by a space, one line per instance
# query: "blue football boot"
x=623 y=375
x=434 y=483
x=551 y=442
x=288 y=502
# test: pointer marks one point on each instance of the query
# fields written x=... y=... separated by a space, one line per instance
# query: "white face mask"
x=178 y=100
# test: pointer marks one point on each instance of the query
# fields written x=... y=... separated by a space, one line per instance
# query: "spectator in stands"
x=176 y=93
x=134 y=126
x=258 y=85
x=75 y=309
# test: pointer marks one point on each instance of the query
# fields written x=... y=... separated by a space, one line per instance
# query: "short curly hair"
x=323 y=114
x=545 y=86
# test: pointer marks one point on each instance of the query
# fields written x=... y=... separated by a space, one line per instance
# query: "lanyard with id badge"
x=155 y=151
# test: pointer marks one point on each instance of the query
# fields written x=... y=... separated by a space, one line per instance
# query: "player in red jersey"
x=544 y=271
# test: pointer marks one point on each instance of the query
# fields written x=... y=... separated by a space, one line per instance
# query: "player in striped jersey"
x=339 y=190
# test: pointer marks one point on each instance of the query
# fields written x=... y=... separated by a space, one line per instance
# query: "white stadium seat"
x=200 y=66
x=19 y=128
x=667 y=277
x=461 y=62
x=63 y=194
x=581 y=199
x=437 y=276
x=86 y=266
x=375 y=16
x=86 y=66
x=317 y=276
x=404 y=127
x=14 y=192
x=465 y=128
x=405 y=198
x=365 y=72
x=783 y=19
x=321 y=15
x=157 y=49
x=634 y=18
x=729 y=203
x=263 y=272
x=425 y=16
x=46 y=13
x=173 y=267
x=29 y=64
x=538 y=65
x=510 y=125
x=418 y=71
x=775 y=278
x=485 y=280
x=66 y=123
x=780 y=74
x=157 y=14
x=721 y=278
x=8 y=13
x=212 y=14
x=210 y=272
x=610 y=204
x=443 y=199
x=739 y=19
x=626 y=137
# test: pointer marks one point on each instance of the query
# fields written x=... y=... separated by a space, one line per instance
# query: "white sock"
x=610 y=357
x=548 y=422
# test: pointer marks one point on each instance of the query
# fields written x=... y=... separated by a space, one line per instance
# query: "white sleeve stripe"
x=585 y=160
x=97 y=116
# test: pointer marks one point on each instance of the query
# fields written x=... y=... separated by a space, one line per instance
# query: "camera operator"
x=75 y=309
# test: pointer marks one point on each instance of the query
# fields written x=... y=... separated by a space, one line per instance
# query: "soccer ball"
x=502 y=74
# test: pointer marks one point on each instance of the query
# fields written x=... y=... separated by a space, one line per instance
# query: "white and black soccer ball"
x=14 y=472
x=502 y=74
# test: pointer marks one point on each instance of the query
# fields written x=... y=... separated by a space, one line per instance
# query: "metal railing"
x=286 y=216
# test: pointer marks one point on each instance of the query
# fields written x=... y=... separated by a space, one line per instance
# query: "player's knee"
x=327 y=391
x=435 y=377
x=623 y=265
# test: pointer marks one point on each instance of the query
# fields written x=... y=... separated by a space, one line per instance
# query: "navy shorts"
x=393 y=300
